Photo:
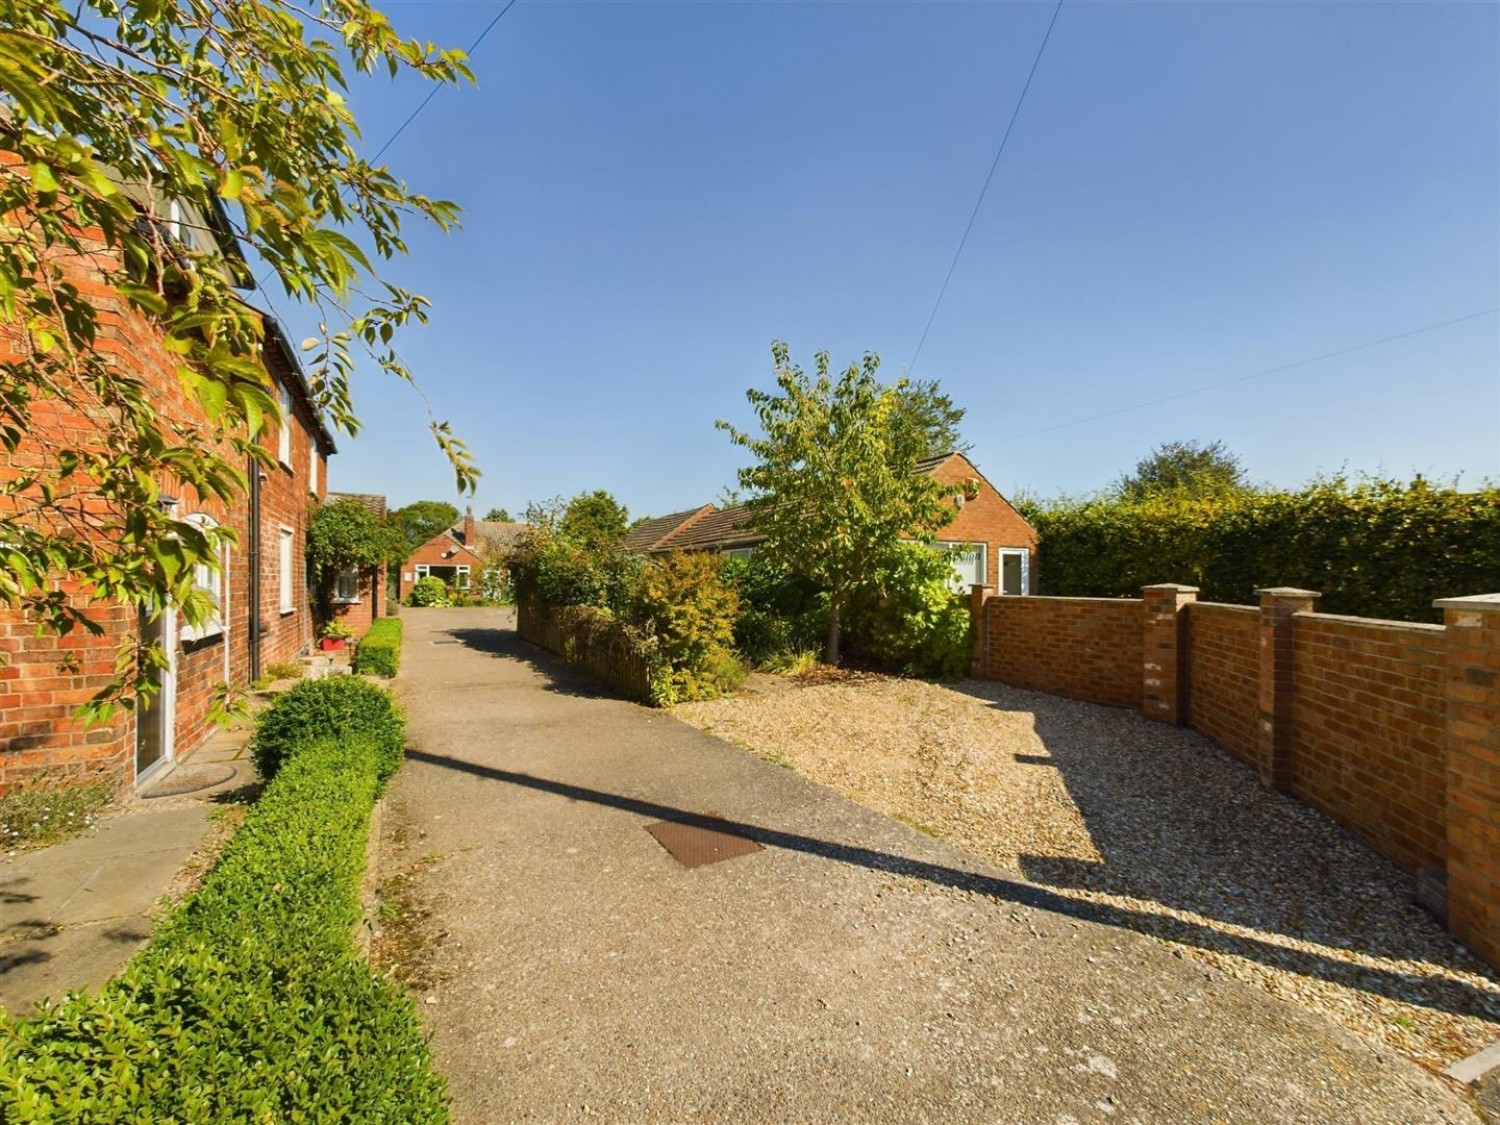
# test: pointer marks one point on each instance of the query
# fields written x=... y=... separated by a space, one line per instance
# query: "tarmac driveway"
x=852 y=969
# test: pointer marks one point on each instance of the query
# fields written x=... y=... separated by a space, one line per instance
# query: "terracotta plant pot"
x=333 y=644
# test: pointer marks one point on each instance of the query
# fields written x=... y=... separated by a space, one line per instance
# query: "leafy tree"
x=594 y=520
x=834 y=486
x=1184 y=468
x=497 y=515
x=345 y=533
x=422 y=520
x=135 y=133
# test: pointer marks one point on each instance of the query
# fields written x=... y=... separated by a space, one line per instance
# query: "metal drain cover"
x=694 y=845
x=446 y=641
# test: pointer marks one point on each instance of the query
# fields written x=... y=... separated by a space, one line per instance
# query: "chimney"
x=469 y=527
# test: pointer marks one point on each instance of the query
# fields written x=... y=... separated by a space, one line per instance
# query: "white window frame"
x=981 y=549
x=1025 y=553
x=739 y=553
x=461 y=576
x=423 y=570
x=286 y=556
x=346 y=586
x=284 y=438
x=312 y=467
x=211 y=581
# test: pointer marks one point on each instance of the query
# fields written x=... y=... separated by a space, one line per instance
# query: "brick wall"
x=1368 y=731
x=360 y=615
x=39 y=739
x=1083 y=648
x=1390 y=728
x=1223 y=673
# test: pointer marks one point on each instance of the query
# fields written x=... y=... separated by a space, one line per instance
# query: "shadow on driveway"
x=1456 y=996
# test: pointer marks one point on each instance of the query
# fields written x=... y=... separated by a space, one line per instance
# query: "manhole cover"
x=694 y=845
x=190 y=779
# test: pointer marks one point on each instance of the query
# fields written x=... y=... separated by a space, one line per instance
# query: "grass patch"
x=379 y=652
x=251 y=1003
x=50 y=814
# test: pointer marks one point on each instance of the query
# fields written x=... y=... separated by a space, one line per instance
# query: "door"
x=155 y=723
x=1015 y=568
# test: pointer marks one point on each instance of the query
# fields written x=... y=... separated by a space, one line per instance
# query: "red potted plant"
x=335 y=636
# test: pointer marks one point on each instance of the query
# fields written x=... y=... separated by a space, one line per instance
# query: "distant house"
x=460 y=553
x=1002 y=544
x=357 y=592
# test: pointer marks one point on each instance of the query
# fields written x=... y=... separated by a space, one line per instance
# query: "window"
x=312 y=465
x=1015 y=570
x=967 y=560
x=740 y=553
x=461 y=577
x=284 y=449
x=285 y=557
x=210 y=581
x=346 y=586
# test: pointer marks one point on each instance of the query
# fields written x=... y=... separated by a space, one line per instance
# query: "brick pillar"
x=1164 y=652
x=1277 y=605
x=1472 y=686
x=979 y=618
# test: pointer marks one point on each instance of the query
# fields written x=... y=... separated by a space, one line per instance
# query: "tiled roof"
x=645 y=536
x=723 y=528
x=375 y=502
x=927 y=464
x=495 y=535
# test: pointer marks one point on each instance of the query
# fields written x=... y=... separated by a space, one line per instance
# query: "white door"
x=156 y=722
x=1015 y=570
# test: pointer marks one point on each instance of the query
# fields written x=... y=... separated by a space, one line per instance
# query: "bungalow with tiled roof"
x=461 y=552
x=1002 y=544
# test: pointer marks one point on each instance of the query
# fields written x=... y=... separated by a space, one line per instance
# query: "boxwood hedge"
x=250 y=1004
x=333 y=706
x=379 y=652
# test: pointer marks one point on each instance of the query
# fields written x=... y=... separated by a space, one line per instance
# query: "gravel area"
x=1160 y=826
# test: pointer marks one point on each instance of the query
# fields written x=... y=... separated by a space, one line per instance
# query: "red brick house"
x=1003 y=554
x=262 y=591
x=359 y=592
x=458 y=555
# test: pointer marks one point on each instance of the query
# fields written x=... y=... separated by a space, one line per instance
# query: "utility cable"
x=414 y=114
x=1015 y=113
x=1246 y=378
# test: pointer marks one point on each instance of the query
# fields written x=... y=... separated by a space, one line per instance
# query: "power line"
x=474 y=46
x=414 y=114
x=1015 y=113
x=1246 y=378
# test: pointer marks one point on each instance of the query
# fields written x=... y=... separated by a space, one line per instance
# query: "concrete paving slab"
x=853 y=970
x=72 y=915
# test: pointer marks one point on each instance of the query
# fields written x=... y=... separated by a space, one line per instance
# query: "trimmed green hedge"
x=333 y=707
x=250 y=1003
x=1378 y=548
x=379 y=651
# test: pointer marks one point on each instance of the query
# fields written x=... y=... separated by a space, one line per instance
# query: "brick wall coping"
x=1172 y=586
x=1478 y=603
x=1056 y=598
x=1289 y=592
x=1231 y=606
x=1374 y=623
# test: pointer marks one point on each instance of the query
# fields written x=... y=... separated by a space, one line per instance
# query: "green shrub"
x=1378 y=548
x=379 y=651
x=48 y=814
x=249 y=1004
x=908 y=620
x=683 y=600
x=429 y=591
x=332 y=707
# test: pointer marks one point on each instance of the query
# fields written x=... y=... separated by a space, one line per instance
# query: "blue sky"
x=653 y=192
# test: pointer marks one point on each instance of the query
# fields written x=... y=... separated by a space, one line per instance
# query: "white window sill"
x=346 y=601
x=192 y=636
x=288 y=611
